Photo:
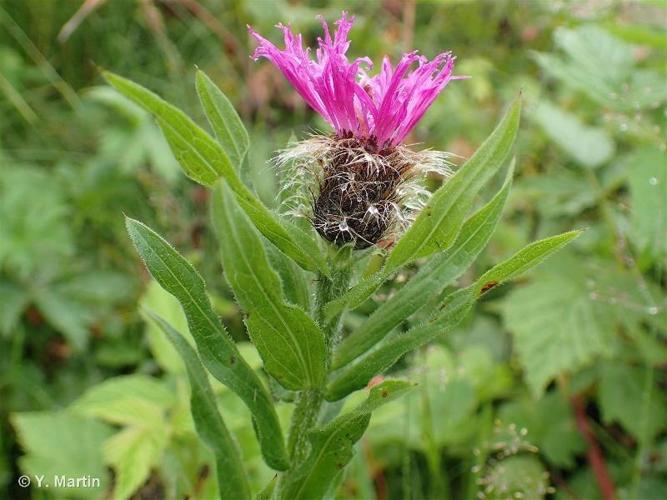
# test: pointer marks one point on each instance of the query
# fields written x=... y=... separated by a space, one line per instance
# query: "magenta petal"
x=383 y=108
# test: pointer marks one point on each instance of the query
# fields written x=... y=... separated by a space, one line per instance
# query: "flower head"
x=367 y=182
x=382 y=108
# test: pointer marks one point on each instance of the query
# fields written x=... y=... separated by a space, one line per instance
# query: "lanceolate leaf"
x=294 y=279
x=232 y=480
x=430 y=280
x=204 y=160
x=526 y=258
x=224 y=119
x=355 y=376
x=356 y=295
x=216 y=349
x=438 y=224
x=332 y=445
x=200 y=156
x=289 y=341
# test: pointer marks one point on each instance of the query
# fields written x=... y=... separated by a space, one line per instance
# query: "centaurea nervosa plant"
x=363 y=170
x=274 y=264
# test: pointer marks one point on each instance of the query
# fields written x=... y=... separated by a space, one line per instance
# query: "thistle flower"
x=367 y=180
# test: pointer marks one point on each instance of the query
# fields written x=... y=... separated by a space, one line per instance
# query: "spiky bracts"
x=360 y=194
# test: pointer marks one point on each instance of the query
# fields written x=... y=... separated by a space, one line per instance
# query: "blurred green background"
x=555 y=387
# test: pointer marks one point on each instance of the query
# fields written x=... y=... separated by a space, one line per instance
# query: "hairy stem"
x=304 y=418
x=328 y=290
x=309 y=402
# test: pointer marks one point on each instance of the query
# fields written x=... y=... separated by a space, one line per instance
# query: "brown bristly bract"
x=360 y=193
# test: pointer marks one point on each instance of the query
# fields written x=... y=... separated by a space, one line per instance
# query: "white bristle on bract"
x=301 y=169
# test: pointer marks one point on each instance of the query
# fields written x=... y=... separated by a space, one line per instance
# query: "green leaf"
x=60 y=444
x=604 y=68
x=456 y=305
x=438 y=224
x=597 y=52
x=558 y=194
x=13 y=300
x=648 y=195
x=128 y=399
x=66 y=314
x=356 y=295
x=588 y=146
x=557 y=327
x=289 y=341
x=160 y=301
x=232 y=480
x=638 y=34
x=429 y=282
x=550 y=426
x=216 y=349
x=625 y=398
x=440 y=221
x=356 y=375
x=133 y=453
x=290 y=239
x=36 y=233
x=332 y=445
x=528 y=257
x=293 y=278
x=204 y=160
x=224 y=119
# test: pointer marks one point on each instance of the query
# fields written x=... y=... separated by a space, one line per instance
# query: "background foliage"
x=551 y=375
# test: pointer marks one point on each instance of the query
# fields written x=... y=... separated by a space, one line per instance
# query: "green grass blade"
x=232 y=479
x=216 y=349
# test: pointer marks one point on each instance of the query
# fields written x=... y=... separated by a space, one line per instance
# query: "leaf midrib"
x=306 y=365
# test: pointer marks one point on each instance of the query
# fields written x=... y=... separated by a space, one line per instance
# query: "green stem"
x=328 y=290
x=306 y=413
x=309 y=402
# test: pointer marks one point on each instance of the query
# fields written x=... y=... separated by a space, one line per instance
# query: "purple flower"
x=379 y=110
x=366 y=185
